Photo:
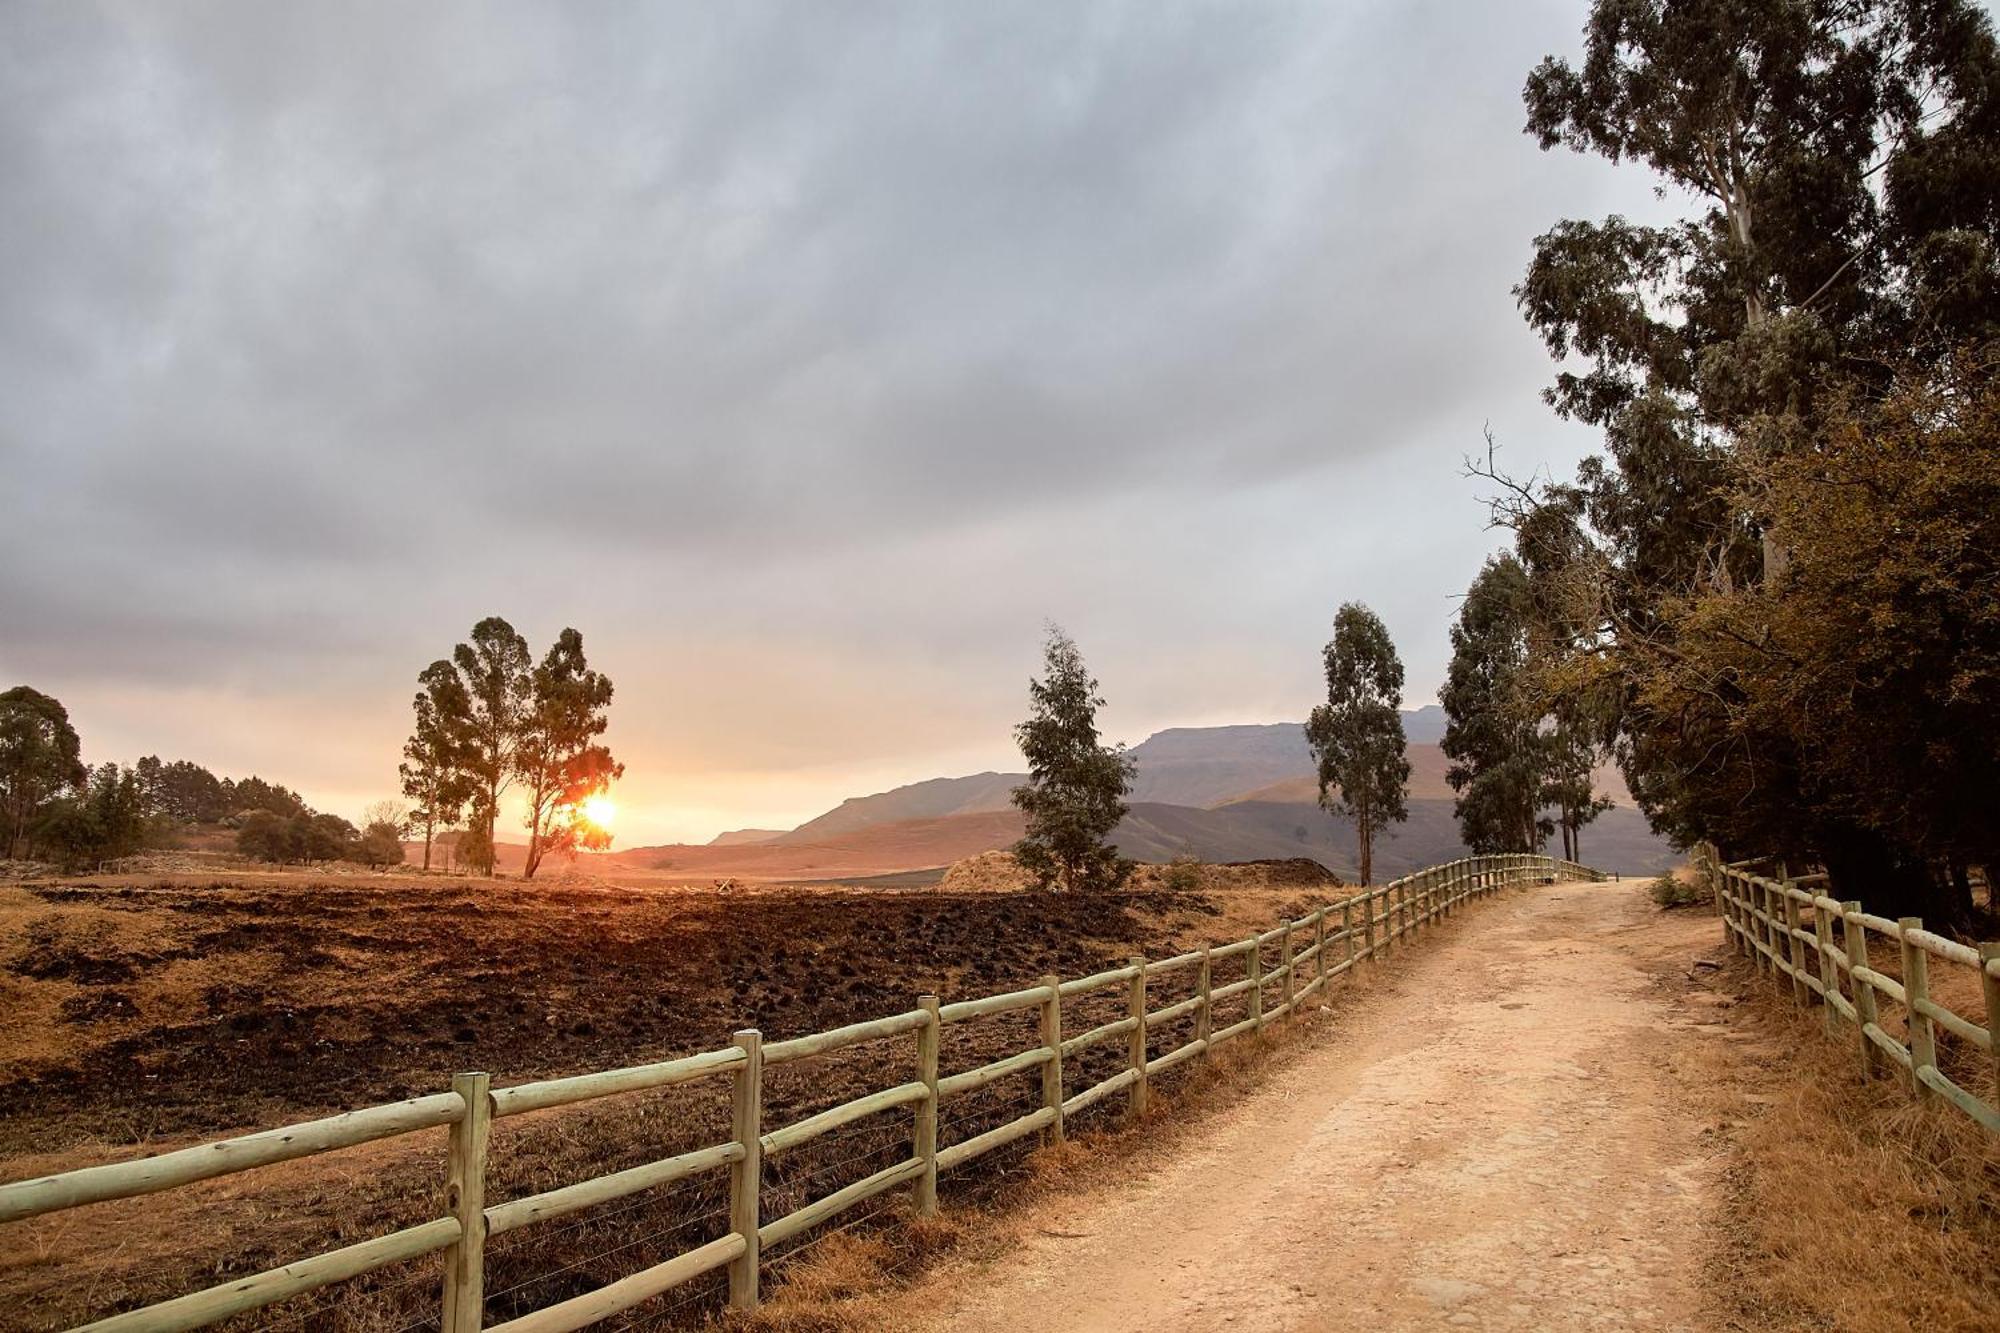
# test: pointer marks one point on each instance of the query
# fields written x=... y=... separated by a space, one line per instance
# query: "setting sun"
x=600 y=810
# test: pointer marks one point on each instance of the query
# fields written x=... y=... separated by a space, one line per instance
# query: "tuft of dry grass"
x=1851 y=1206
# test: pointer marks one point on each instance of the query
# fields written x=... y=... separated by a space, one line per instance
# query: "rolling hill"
x=1230 y=793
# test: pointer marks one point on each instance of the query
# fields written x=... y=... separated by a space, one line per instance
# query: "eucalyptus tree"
x=1356 y=736
x=558 y=755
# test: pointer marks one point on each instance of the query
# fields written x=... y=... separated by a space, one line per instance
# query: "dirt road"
x=1488 y=1139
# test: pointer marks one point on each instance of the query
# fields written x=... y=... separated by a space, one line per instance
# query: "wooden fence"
x=1360 y=926
x=1778 y=923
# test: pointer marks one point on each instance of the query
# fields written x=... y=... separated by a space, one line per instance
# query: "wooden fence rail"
x=1386 y=915
x=1785 y=926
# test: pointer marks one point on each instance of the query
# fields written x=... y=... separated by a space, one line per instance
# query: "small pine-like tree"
x=1357 y=734
x=1075 y=792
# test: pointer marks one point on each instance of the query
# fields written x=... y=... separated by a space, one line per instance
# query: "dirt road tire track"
x=1490 y=1140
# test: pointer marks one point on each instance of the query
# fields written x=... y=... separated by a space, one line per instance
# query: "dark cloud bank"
x=805 y=357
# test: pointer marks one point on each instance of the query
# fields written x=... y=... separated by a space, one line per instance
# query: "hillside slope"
x=1242 y=830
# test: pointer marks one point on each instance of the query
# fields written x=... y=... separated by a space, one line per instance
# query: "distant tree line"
x=1776 y=594
x=59 y=809
x=489 y=719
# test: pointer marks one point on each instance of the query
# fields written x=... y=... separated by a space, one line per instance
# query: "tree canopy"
x=1356 y=736
x=40 y=758
x=1793 y=386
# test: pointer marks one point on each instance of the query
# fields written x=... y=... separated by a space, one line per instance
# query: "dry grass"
x=159 y=1013
x=1851 y=1206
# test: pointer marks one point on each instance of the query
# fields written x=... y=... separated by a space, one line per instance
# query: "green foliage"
x=186 y=792
x=488 y=717
x=381 y=846
x=39 y=760
x=106 y=820
x=270 y=836
x=432 y=771
x=1075 y=792
x=303 y=838
x=1777 y=575
x=1183 y=873
x=1491 y=733
x=1780 y=117
x=1357 y=734
x=1571 y=745
x=557 y=755
x=494 y=672
x=1671 y=891
x=253 y=793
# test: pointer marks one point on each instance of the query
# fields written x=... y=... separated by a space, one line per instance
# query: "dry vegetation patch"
x=166 y=1011
x=1851 y=1207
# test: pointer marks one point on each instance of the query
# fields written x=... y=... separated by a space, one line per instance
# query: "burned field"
x=153 y=1014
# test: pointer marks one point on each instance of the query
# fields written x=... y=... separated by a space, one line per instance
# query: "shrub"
x=1184 y=873
x=1671 y=891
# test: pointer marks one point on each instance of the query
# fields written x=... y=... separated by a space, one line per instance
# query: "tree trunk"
x=1366 y=835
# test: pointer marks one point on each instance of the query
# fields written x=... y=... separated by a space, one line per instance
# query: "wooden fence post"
x=1801 y=993
x=1367 y=920
x=1988 y=952
x=1203 y=983
x=1135 y=1050
x=1256 y=957
x=1347 y=927
x=1854 y=940
x=1285 y=962
x=928 y=1039
x=1760 y=919
x=1319 y=951
x=1829 y=975
x=1917 y=990
x=1052 y=1076
x=465 y=1200
x=746 y=1176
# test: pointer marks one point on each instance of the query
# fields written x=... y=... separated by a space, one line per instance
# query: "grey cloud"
x=860 y=323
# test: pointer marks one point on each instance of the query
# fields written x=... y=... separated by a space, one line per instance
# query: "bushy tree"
x=107 y=819
x=254 y=793
x=40 y=758
x=557 y=754
x=1356 y=736
x=1491 y=735
x=381 y=845
x=1844 y=156
x=1075 y=792
x=270 y=836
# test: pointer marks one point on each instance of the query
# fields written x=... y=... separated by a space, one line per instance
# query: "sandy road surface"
x=1490 y=1140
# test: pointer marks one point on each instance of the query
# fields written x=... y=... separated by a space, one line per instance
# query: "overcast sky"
x=805 y=358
